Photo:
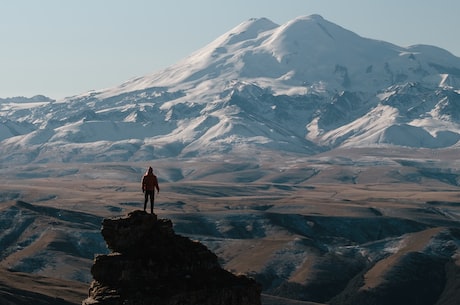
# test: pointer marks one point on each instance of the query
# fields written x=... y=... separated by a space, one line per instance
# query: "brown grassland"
x=348 y=184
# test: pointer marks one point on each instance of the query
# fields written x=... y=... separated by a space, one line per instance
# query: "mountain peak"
x=249 y=29
x=314 y=17
x=313 y=84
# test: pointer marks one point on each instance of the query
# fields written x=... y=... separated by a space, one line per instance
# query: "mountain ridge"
x=306 y=86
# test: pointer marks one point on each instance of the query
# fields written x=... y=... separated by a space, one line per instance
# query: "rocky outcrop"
x=150 y=264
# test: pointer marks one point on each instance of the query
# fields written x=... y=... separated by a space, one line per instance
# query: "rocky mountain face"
x=305 y=86
x=150 y=264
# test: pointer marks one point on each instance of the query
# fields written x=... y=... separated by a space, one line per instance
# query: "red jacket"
x=150 y=182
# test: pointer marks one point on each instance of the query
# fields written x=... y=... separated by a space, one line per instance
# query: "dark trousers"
x=152 y=199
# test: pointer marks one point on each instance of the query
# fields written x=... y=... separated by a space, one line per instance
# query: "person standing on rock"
x=149 y=184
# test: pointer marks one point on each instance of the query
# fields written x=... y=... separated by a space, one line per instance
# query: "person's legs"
x=146 y=198
x=152 y=200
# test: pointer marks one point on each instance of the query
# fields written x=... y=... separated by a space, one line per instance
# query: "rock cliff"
x=150 y=264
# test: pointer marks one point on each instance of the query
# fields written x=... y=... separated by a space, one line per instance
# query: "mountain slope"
x=45 y=240
x=23 y=289
x=305 y=86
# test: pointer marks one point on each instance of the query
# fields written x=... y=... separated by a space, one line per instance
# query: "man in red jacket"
x=149 y=184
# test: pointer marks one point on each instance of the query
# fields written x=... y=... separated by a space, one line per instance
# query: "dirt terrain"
x=283 y=219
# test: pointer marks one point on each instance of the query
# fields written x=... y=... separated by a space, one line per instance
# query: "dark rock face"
x=150 y=264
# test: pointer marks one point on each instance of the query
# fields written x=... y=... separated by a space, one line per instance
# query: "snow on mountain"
x=305 y=86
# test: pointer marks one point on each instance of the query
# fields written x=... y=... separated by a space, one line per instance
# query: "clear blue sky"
x=65 y=47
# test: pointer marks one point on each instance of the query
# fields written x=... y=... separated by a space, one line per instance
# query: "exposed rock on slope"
x=150 y=264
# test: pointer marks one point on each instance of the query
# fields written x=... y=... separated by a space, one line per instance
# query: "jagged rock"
x=150 y=264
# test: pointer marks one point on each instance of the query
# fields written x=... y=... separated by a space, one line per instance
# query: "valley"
x=310 y=228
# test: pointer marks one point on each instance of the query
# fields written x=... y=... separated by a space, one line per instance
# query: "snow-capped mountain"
x=305 y=86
